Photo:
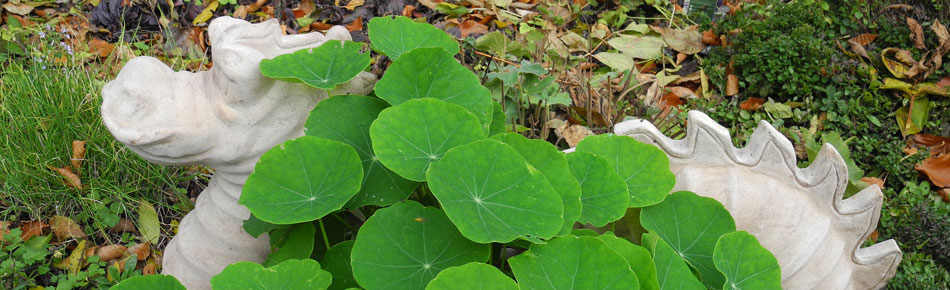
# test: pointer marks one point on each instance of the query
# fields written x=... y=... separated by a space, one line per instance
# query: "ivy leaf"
x=155 y=282
x=410 y=136
x=570 y=262
x=603 y=192
x=396 y=36
x=472 y=276
x=337 y=261
x=290 y=274
x=644 y=168
x=492 y=195
x=347 y=118
x=406 y=245
x=335 y=62
x=745 y=263
x=302 y=180
x=691 y=224
x=297 y=245
x=671 y=271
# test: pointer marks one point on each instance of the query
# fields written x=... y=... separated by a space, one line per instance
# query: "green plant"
x=22 y=261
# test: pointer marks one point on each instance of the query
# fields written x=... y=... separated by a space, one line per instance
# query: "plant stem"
x=323 y=231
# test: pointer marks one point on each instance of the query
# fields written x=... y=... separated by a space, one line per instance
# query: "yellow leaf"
x=353 y=4
x=206 y=14
x=73 y=262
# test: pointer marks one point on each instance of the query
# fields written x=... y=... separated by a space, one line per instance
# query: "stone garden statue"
x=226 y=118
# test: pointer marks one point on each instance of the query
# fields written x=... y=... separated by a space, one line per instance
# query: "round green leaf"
x=671 y=270
x=302 y=180
x=637 y=257
x=603 y=192
x=497 y=120
x=335 y=62
x=337 y=261
x=644 y=168
x=154 y=282
x=410 y=136
x=745 y=263
x=472 y=276
x=434 y=73
x=396 y=36
x=290 y=274
x=405 y=245
x=347 y=118
x=297 y=245
x=570 y=262
x=546 y=158
x=691 y=224
x=491 y=193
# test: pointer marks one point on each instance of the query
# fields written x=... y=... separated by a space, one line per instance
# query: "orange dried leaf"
x=353 y=4
x=944 y=83
x=682 y=92
x=916 y=33
x=110 y=252
x=732 y=85
x=141 y=250
x=65 y=228
x=149 y=269
x=944 y=194
x=357 y=24
x=710 y=38
x=471 y=27
x=306 y=7
x=669 y=100
x=858 y=48
x=680 y=57
x=100 y=47
x=873 y=181
x=873 y=236
x=937 y=169
x=79 y=153
x=32 y=228
x=573 y=134
x=752 y=104
x=407 y=10
x=320 y=26
x=864 y=38
x=124 y=225
x=72 y=180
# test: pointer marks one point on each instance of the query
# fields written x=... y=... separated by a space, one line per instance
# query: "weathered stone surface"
x=797 y=213
x=226 y=118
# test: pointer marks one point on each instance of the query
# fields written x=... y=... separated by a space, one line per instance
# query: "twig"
x=496 y=58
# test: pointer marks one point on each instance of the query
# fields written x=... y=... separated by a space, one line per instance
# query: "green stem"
x=323 y=230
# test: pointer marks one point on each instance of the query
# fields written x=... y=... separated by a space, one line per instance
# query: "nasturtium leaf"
x=297 y=245
x=691 y=224
x=396 y=36
x=335 y=62
x=406 y=245
x=302 y=180
x=347 y=118
x=472 y=276
x=672 y=272
x=255 y=226
x=745 y=263
x=603 y=193
x=337 y=261
x=434 y=73
x=290 y=274
x=637 y=257
x=148 y=222
x=492 y=195
x=152 y=282
x=497 y=120
x=546 y=158
x=410 y=136
x=644 y=168
x=571 y=262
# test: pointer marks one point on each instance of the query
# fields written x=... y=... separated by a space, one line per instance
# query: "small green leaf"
x=410 y=136
x=498 y=43
x=637 y=257
x=255 y=226
x=917 y=118
x=745 y=263
x=671 y=270
x=290 y=274
x=302 y=180
x=298 y=245
x=603 y=192
x=148 y=222
x=546 y=158
x=406 y=245
x=472 y=276
x=691 y=224
x=396 y=36
x=644 y=168
x=347 y=119
x=491 y=193
x=335 y=62
x=152 y=282
x=571 y=262
x=337 y=261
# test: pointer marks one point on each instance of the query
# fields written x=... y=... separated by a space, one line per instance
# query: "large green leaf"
x=637 y=257
x=406 y=245
x=671 y=270
x=745 y=263
x=410 y=136
x=641 y=47
x=492 y=195
x=335 y=62
x=302 y=180
x=691 y=224
x=337 y=261
x=152 y=282
x=498 y=124
x=644 y=168
x=571 y=262
x=434 y=73
x=255 y=226
x=603 y=192
x=546 y=158
x=290 y=274
x=396 y=36
x=472 y=276
x=297 y=245
x=347 y=119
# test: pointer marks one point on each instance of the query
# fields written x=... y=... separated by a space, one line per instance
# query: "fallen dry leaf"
x=864 y=38
x=732 y=85
x=682 y=92
x=938 y=145
x=353 y=4
x=873 y=181
x=937 y=168
x=710 y=38
x=669 y=100
x=873 y=236
x=407 y=10
x=752 y=104
x=72 y=180
x=916 y=33
x=65 y=228
x=320 y=26
x=149 y=269
x=858 y=49
x=124 y=225
x=944 y=83
x=4 y=229
x=573 y=134
x=18 y=8
x=306 y=7
x=680 y=57
x=110 y=252
x=944 y=194
x=471 y=27
x=79 y=154
x=32 y=228
x=356 y=25
x=141 y=250
x=100 y=47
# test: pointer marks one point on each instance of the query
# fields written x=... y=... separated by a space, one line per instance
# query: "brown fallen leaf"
x=944 y=83
x=353 y=4
x=900 y=6
x=873 y=236
x=65 y=228
x=306 y=7
x=573 y=134
x=149 y=269
x=858 y=49
x=937 y=169
x=320 y=26
x=100 y=47
x=680 y=57
x=864 y=38
x=732 y=85
x=471 y=27
x=71 y=179
x=944 y=194
x=18 y=8
x=4 y=229
x=938 y=145
x=32 y=228
x=873 y=181
x=916 y=33
x=752 y=104
x=141 y=250
x=682 y=92
x=356 y=25
x=110 y=252
x=124 y=225
x=79 y=154
x=710 y=38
